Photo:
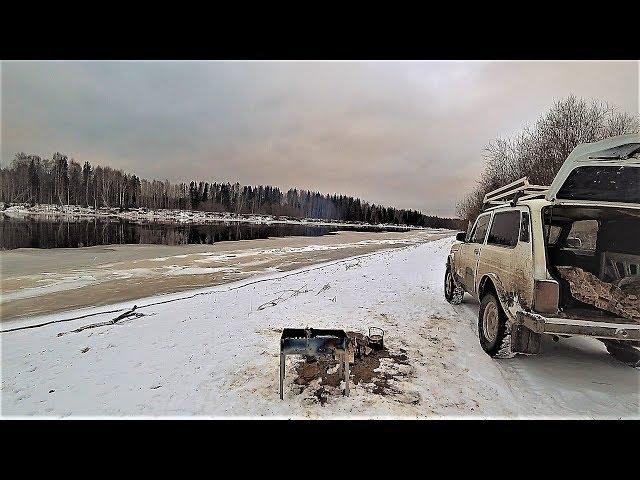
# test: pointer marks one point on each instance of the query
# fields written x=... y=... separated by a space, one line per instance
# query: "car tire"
x=624 y=353
x=494 y=329
x=453 y=292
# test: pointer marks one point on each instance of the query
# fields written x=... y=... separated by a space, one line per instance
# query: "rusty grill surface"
x=316 y=343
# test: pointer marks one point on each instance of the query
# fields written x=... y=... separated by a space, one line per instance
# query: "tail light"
x=546 y=294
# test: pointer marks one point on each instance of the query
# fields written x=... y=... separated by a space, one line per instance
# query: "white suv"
x=587 y=221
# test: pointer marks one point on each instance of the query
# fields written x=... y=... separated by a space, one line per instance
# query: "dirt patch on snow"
x=379 y=373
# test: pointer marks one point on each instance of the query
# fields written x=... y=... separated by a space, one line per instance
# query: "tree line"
x=539 y=151
x=60 y=180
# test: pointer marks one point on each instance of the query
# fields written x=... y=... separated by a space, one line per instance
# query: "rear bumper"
x=572 y=326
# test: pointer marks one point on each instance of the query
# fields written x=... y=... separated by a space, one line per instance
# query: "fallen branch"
x=281 y=297
x=122 y=316
x=299 y=291
x=352 y=265
x=26 y=327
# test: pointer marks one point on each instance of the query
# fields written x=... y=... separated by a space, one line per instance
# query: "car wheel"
x=624 y=353
x=452 y=291
x=493 y=328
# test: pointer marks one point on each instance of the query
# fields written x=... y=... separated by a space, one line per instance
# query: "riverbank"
x=43 y=281
x=75 y=212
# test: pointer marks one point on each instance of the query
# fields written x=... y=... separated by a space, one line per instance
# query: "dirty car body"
x=588 y=218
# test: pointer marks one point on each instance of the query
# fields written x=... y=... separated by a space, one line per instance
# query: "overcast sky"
x=407 y=134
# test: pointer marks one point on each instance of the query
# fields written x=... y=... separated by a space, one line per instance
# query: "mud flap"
x=524 y=340
x=626 y=352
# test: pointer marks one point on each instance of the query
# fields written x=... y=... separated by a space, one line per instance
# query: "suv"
x=587 y=221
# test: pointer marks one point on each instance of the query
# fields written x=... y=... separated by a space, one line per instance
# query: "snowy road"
x=215 y=353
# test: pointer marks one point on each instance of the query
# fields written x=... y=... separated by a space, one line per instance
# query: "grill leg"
x=345 y=363
x=282 y=376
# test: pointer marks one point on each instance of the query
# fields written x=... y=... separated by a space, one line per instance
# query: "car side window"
x=472 y=232
x=524 y=228
x=505 y=229
x=552 y=233
x=583 y=235
x=480 y=229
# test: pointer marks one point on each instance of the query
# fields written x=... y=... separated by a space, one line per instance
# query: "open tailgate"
x=600 y=173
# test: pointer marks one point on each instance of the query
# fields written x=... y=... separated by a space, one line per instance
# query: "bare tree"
x=538 y=152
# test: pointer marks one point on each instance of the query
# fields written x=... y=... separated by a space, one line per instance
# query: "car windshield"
x=602 y=183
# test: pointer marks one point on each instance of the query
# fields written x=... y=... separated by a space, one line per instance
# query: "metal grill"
x=316 y=343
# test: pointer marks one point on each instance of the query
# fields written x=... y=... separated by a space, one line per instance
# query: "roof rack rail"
x=513 y=192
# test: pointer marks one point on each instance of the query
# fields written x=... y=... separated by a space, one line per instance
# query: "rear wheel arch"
x=514 y=338
x=491 y=283
x=487 y=285
x=494 y=329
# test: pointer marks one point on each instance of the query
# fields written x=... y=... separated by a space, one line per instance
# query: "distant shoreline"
x=185 y=217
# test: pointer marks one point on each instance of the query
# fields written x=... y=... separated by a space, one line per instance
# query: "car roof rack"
x=513 y=193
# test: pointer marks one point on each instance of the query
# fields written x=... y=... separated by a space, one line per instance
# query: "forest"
x=60 y=180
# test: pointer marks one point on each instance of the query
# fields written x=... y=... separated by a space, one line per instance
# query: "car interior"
x=603 y=241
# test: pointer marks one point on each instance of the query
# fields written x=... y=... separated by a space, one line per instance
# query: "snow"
x=67 y=282
x=180 y=270
x=213 y=353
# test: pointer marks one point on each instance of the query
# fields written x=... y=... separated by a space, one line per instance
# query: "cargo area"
x=594 y=254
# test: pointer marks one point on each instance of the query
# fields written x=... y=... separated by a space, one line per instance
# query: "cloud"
x=408 y=134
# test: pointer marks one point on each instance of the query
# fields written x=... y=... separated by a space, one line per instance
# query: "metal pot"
x=376 y=338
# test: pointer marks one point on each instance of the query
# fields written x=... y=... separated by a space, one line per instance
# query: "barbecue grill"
x=317 y=343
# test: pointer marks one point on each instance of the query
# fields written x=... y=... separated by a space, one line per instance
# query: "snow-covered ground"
x=215 y=352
